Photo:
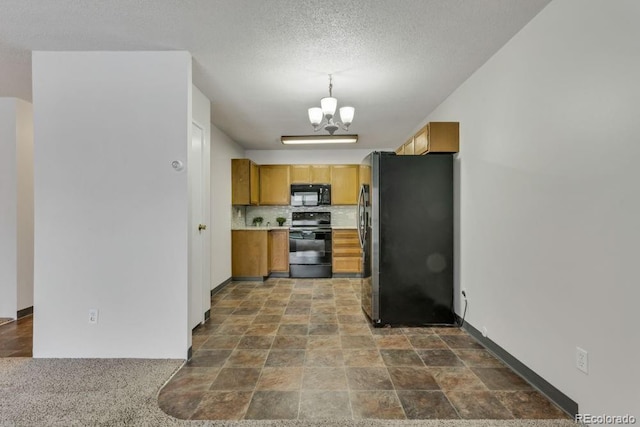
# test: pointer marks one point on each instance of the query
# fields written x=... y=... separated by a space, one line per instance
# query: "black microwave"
x=310 y=194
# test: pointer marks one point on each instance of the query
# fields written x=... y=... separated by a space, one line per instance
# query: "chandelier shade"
x=315 y=116
x=328 y=106
x=346 y=115
x=322 y=117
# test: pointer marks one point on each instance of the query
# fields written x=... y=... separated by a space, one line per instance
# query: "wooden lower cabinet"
x=279 y=251
x=249 y=253
x=347 y=256
x=257 y=253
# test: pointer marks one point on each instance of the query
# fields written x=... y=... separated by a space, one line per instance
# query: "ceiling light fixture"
x=327 y=110
x=332 y=139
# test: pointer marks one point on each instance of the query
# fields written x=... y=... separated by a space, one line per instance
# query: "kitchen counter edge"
x=251 y=228
x=264 y=228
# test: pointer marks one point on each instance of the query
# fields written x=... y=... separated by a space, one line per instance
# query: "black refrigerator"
x=405 y=226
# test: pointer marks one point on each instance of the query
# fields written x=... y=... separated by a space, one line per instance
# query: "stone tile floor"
x=303 y=349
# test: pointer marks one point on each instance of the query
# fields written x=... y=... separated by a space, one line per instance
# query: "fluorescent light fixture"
x=328 y=139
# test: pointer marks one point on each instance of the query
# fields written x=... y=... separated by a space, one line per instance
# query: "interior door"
x=199 y=245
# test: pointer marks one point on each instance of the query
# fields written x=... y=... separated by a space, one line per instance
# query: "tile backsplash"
x=241 y=216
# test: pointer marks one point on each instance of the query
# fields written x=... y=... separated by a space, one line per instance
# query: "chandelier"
x=327 y=110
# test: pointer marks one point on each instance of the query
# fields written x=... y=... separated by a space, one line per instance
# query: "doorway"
x=199 y=237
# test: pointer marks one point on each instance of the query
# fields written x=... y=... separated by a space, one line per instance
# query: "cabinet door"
x=300 y=174
x=254 y=173
x=365 y=174
x=244 y=182
x=408 y=147
x=421 y=141
x=400 y=150
x=344 y=184
x=444 y=137
x=320 y=174
x=249 y=250
x=279 y=250
x=275 y=185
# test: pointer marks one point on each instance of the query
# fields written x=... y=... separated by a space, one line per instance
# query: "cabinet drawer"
x=342 y=235
x=346 y=265
x=347 y=232
x=345 y=241
x=346 y=251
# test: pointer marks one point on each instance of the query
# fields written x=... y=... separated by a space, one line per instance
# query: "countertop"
x=286 y=227
x=261 y=228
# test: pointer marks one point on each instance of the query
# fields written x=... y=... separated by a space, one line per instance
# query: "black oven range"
x=310 y=244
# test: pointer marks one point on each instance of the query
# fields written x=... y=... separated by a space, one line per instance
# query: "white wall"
x=16 y=209
x=8 y=208
x=310 y=156
x=201 y=301
x=223 y=149
x=111 y=214
x=549 y=202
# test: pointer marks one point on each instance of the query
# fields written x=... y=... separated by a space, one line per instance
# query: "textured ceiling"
x=264 y=62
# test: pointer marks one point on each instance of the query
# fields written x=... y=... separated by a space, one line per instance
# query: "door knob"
x=202 y=227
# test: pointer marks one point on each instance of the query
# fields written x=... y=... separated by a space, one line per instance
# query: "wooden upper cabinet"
x=255 y=184
x=435 y=137
x=365 y=174
x=275 y=184
x=300 y=174
x=245 y=178
x=320 y=174
x=310 y=174
x=443 y=137
x=421 y=141
x=408 y=147
x=344 y=184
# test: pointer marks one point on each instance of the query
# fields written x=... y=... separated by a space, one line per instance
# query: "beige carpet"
x=123 y=392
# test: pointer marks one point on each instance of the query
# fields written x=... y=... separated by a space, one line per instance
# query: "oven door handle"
x=361 y=225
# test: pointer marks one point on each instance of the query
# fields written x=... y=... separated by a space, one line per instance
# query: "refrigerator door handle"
x=361 y=224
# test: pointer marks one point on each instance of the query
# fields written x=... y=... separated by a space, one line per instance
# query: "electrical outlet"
x=93 y=316
x=582 y=360
x=484 y=331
